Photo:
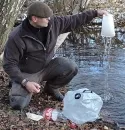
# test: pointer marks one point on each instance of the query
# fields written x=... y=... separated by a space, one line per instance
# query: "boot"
x=53 y=92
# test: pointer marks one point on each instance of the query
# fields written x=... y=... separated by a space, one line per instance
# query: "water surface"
x=103 y=75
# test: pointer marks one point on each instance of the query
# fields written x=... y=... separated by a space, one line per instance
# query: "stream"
x=102 y=71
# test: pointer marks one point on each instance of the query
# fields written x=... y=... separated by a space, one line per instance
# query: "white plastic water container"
x=108 y=26
x=82 y=105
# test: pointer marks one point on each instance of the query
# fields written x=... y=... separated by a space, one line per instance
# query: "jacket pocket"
x=32 y=64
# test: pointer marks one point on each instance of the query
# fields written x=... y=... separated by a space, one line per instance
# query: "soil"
x=17 y=120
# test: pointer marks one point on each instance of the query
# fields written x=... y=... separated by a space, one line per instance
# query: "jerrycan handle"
x=87 y=91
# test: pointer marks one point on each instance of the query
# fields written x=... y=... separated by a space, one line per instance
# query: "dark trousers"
x=57 y=73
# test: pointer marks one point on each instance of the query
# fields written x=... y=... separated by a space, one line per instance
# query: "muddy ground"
x=17 y=120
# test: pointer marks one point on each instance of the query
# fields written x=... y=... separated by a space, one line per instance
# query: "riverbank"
x=16 y=120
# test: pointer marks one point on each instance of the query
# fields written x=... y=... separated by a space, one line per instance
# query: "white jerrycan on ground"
x=82 y=105
x=108 y=26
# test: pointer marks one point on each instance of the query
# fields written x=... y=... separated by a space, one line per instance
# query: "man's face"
x=40 y=22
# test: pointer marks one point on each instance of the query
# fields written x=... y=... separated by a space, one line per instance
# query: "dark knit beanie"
x=39 y=9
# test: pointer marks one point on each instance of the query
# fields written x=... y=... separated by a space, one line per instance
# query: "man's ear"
x=34 y=19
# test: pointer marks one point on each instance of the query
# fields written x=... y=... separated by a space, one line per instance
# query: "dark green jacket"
x=25 y=53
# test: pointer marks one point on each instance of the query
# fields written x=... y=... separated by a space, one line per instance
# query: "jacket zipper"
x=48 y=35
x=36 y=41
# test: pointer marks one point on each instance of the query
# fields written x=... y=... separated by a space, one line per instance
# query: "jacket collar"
x=27 y=31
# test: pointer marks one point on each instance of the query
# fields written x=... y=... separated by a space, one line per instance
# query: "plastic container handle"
x=87 y=91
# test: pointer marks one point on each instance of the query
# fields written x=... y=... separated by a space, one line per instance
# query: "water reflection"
x=95 y=73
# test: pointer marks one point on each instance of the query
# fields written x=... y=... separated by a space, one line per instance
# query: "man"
x=29 y=52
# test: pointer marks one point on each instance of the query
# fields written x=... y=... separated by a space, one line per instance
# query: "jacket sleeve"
x=68 y=23
x=12 y=54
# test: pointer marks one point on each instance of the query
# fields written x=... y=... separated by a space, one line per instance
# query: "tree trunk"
x=84 y=3
x=9 y=9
